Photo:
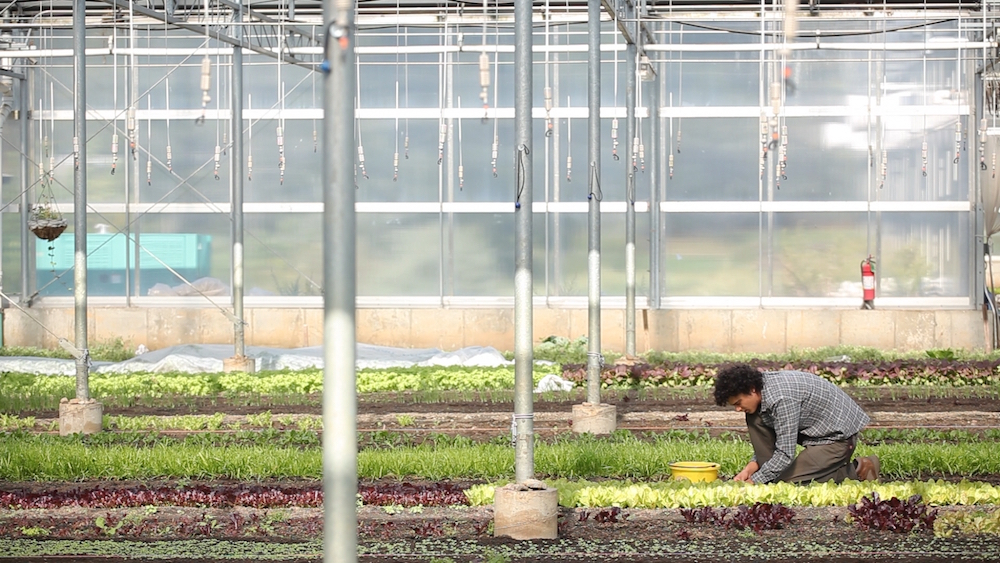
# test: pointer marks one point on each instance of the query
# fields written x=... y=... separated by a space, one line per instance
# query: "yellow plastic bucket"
x=695 y=471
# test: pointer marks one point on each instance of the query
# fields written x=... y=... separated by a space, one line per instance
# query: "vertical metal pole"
x=80 y=196
x=27 y=238
x=630 y=201
x=132 y=170
x=236 y=180
x=447 y=282
x=524 y=455
x=556 y=178
x=131 y=251
x=340 y=405
x=594 y=202
x=655 y=169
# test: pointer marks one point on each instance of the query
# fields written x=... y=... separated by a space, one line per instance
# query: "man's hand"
x=749 y=470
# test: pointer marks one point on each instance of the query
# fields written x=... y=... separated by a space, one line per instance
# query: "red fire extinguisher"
x=868 y=282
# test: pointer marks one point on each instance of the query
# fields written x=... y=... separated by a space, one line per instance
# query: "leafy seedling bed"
x=425 y=522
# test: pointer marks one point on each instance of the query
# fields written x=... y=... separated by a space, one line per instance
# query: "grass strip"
x=45 y=457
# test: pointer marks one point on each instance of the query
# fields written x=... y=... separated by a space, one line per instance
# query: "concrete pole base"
x=239 y=363
x=526 y=511
x=595 y=418
x=80 y=417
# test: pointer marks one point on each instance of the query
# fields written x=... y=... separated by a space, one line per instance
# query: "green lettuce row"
x=266 y=383
x=684 y=494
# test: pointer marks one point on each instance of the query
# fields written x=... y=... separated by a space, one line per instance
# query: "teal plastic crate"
x=110 y=257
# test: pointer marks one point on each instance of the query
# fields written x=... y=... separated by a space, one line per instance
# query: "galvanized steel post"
x=236 y=181
x=340 y=404
x=630 y=101
x=594 y=202
x=524 y=458
x=80 y=196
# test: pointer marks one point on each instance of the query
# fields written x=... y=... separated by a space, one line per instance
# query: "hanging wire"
x=777 y=102
x=130 y=123
x=170 y=155
x=357 y=102
x=312 y=75
x=395 y=137
x=149 y=140
x=984 y=122
x=249 y=139
x=520 y=174
x=43 y=141
x=680 y=80
x=279 y=133
x=218 y=145
x=114 y=97
x=569 y=142
x=149 y=112
x=642 y=147
x=443 y=77
x=484 y=68
x=923 y=146
x=461 y=166
x=206 y=72
x=280 y=138
x=166 y=87
x=783 y=120
x=52 y=135
x=547 y=90
x=670 y=95
x=496 y=93
x=884 y=168
x=395 y=150
x=958 y=90
x=637 y=148
x=594 y=182
x=614 y=120
x=406 y=95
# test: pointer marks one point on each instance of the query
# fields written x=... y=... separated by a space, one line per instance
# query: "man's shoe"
x=868 y=468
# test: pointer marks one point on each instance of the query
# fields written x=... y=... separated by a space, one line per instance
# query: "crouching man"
x=785 y=408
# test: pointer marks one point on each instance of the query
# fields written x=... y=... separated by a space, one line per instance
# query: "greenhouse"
x=753 y=160
x=499 y=282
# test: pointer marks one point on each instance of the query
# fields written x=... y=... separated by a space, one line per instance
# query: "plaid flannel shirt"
x=806 y=409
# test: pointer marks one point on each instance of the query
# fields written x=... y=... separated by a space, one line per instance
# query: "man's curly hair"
x=738 y=379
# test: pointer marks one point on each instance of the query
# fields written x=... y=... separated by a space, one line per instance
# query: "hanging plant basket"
x=46 y=223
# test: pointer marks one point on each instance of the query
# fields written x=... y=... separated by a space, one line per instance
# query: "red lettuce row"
x=225 y=496
x=888 y=372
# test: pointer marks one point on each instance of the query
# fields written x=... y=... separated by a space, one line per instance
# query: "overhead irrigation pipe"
x=524 y=456
x=594 y=358
x=949 y=45
x=340 y=441
x=80 y=198
x=215 y=34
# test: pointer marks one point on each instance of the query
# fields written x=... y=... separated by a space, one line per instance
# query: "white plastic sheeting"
x=207 y=358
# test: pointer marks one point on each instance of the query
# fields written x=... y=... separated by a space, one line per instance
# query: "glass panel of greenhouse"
x=760 y=168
